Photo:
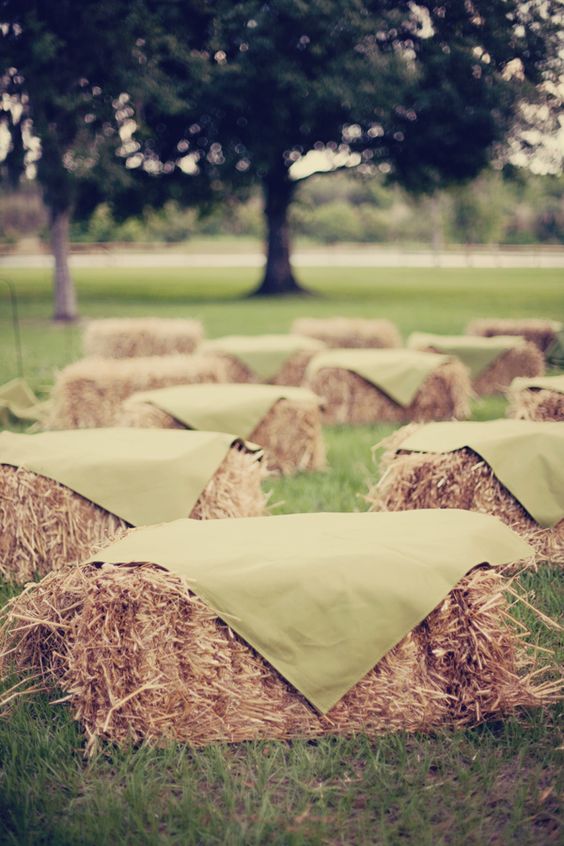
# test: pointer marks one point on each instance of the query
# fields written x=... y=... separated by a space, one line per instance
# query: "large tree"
x=265 y=92
x=63 y=67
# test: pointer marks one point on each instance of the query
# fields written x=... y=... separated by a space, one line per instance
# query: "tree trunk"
x=278 y=279
x=65 y=307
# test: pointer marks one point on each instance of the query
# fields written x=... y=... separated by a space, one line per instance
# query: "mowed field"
x=496 y=784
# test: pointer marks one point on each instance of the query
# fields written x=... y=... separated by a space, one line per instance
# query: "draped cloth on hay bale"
x=62 y=494
x=90 y=391
x=284 y=420
x=513 y=469
x=537 y=399
x=281 y=627
x=275 y=359
x=349 y=331
x=539 y=331
x=493 y=362
x=367 y=386
x=127 y=337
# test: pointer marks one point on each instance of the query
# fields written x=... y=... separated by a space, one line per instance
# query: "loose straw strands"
x=139 y=657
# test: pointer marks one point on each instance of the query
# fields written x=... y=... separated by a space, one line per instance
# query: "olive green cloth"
x=236 y=408
x=18 y=400
x=141 y=475
x=527 y=457
x=476 y=353
x=323 y=597
x=399 y=373
x=265 y=355
x=547 y=383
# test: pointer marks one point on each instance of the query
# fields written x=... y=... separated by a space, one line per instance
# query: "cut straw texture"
x=292 y=371
x=130 y=337
x=89 y=393
x=290 y=432
x=349 y=398
x=349 y=331
x=458 y=479
x=140 y=658
x=46 y=524
x=529 y=403
x=540 y=332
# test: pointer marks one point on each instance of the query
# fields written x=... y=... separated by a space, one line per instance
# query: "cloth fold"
x=399 y=373
x=264 y=355
x=18 y=401
x=322 y=597
x=476 y=352
x=526 y=456
x=547 y=383
x=141 y=475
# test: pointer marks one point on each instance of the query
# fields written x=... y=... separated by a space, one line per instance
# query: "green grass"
x=498 y=784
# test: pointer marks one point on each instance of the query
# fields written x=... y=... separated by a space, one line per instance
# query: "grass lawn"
x=497 y=784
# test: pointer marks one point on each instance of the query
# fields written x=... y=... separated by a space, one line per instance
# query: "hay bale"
x=349 y=398
x=541 y=333
x=532 y=403
x=128 y=337
x=348 y=331
x=292 y=371
x=458 y=479
x=46 y=525
x=267 y=359
x=89 y=393
x=290 y=432
x=140 y=658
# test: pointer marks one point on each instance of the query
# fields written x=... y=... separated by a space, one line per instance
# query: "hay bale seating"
x=414 y=477
x=140 y=657
x=89 y=392
x=346 y=332
x=537 y=399
x=46 y=523
x=271 y=359
x=493 y=362
x=360 y=386
x=128 y=337
x=285 y=421
x=542 y=333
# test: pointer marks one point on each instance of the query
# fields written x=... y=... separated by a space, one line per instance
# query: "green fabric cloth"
x=399 y=373
x=236 y=408
x=141 y=475
x=548 y=383
x=265 y=355
x=323 y=597
x=18 y=400
x=476 y=353
x=527 y=457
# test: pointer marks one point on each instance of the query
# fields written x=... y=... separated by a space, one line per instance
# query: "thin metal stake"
x=15 y=326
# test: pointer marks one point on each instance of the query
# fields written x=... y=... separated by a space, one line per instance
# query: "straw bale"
x=140 y=658
x=89 y=393
x=458 y=479
x=292 y=371
x=127 y=337
x=46 y=524
x=290 y=432
x=349 y=398
x=540 y=332
x=535 y=404
x=349 y=331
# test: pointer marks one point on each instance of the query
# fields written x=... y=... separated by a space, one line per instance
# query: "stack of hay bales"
x=62 y=494
x=345 y=332
x=142 y=656
x=90 y=391
x=493 y=362
x=537 y=399
x=285 y=421
x=273 y=359
x=368 y=386
x=129 y=337
x=512 y=469
x=542 y=333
